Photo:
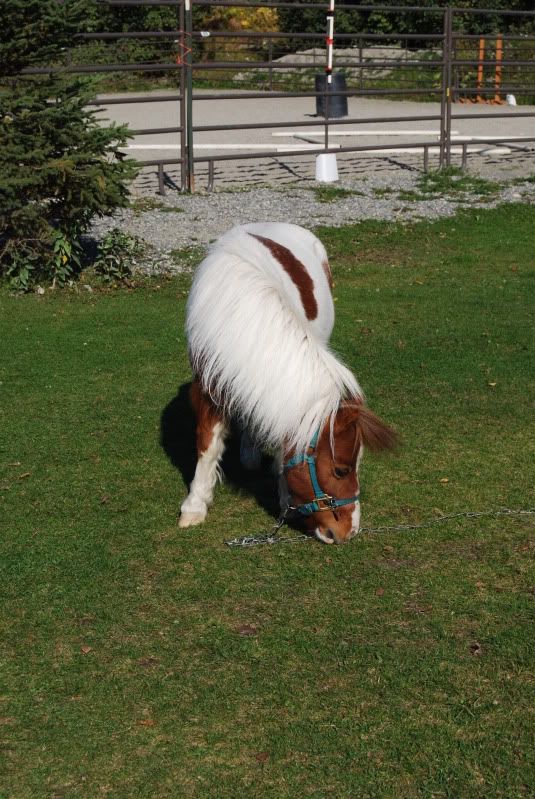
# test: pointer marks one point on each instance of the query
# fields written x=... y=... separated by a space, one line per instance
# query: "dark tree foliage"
x=58 y=167
x=380 y=21
x=124 y=19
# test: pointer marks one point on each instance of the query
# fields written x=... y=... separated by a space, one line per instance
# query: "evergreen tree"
x=58 y=167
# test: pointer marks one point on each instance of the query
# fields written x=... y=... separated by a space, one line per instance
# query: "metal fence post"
x=361 y=76
x=189 y=95
x=445 y=94
x=442 y=146
x=449 y=48
x=182 y=46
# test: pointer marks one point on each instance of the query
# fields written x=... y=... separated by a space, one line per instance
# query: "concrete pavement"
x=489 y=160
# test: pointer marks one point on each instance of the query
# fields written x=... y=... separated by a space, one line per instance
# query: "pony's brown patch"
x=328 y=273
x=207 y=416
x=296 y=271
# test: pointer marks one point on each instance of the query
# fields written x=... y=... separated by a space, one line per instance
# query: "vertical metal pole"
x=161 y=182
x=442 y=147
x=189 y=95
x=329 y=68
x=361 y=77
x=270 y=59
x=449 y=28
x=211 y=175
x=445 y=100
x=455 y=89
x=182 y=45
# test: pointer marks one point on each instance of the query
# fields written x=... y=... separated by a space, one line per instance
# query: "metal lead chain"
x=269 y=538
x=468 y=514
x=273 y=536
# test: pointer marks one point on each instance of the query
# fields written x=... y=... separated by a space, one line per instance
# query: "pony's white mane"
x=252 y=352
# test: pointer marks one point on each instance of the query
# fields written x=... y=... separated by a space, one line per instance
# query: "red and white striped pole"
x=326 y=167
x=330 y=41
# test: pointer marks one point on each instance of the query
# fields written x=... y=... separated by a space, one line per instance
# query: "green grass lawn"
x=139 y=660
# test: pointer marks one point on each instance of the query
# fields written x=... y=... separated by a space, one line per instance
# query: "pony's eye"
x=341 y=471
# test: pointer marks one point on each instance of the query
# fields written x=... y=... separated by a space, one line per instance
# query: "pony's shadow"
x=177 y=438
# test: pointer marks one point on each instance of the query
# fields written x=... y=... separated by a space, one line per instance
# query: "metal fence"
x=211 y=64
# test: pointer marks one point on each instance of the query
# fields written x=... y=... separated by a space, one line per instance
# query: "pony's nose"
x=335 y=538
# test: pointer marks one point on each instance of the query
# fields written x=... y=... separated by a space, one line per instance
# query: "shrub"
x=117 y=254
x=59 y=168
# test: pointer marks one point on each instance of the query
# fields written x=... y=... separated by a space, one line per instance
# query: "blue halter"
x=321 y=501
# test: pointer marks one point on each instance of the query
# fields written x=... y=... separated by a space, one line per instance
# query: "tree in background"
x=233 y=19
x=125 y=19
x=58 y=167
x=350 y=20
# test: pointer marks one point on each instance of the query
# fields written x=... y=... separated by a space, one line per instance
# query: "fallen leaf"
x=247 y=630
x=146 y=723
x=85 y=650
x=388 y=549
x=261 y=757
x=22 y=476
x=492 y=385
x=444 y=479
x=148 y=662
x=365 y=331
x=379 y=591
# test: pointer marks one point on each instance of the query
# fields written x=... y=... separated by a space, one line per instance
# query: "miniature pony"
x=259 y=317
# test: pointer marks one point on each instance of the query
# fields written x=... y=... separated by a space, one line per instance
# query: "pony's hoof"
x=191 y=519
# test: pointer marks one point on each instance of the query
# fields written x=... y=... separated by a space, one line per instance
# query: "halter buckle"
x=329 y=503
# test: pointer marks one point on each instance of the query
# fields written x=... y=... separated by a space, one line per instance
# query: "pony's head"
x=323 y=483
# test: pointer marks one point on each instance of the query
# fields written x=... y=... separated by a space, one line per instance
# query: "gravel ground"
x=178 y=221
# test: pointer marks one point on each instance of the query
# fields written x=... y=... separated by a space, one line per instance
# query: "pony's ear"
x=376 y=434
x=346 y=416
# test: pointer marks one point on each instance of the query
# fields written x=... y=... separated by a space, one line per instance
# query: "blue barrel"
x=337 y=102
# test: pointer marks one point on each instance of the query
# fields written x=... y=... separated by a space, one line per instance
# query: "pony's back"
x=259 y=316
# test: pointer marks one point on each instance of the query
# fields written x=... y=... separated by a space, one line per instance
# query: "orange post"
x=498 y=73
x=480 y=99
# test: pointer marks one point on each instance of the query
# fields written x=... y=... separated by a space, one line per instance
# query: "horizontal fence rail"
x=202 y=65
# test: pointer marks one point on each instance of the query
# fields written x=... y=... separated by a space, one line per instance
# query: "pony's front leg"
x=211 y=433
x=284 y=494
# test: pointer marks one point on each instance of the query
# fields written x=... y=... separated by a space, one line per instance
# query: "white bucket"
x=326 y=168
